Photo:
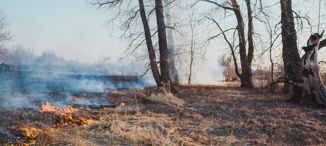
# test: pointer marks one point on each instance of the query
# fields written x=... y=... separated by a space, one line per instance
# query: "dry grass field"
x=201 y=115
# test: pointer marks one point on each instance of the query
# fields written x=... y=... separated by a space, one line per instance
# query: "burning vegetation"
x=201 y=115
x=47 y=100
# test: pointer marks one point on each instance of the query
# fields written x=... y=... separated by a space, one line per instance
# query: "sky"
x=73 y=29
x=77 y=30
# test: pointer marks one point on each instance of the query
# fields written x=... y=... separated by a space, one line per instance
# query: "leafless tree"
x=4 y=34
x=301 y=74
x=138 y=10
x=246 y=52
x=291 y=58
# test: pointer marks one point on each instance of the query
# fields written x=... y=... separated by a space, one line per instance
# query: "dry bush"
x=60 y=136
x=166 y=98
x=229 y=69
x=48 y=136
x=139 y=134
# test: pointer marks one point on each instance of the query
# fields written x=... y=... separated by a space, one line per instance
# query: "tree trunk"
x=313 y=90
x=271 y=61
x=192 y=51
x=164 y=53
x=151 y=51
x=246 y=76
x=173 y=70
x=291 y=57
x=250 y=33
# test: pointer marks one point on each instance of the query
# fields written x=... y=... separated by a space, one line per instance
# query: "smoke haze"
x=28 y=79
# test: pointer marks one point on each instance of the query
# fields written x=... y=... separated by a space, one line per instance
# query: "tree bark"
x=164 y=52
x=149 y=43
x=290 y=54
x=302 y=73
x=322 y=44
x=250 y=33
x=246 y=75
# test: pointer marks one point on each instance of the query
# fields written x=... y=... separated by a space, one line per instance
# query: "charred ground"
x=210 y=116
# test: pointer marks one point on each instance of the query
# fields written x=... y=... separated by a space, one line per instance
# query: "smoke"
x=28 y=80
x=208 y=72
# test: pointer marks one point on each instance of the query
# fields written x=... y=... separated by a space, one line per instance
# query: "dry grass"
x=166 y=98
x=202 y=115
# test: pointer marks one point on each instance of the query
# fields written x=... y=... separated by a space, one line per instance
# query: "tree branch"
x=230 y=45
x=322 y=44
x=217 y=4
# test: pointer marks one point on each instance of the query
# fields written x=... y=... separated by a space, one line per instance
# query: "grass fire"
x=162 y=72
x=208 y=115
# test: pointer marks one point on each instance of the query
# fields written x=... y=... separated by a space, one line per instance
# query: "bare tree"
x=164 y=52
x=301 y=74
x=162 y=75
x=149 y=43
x=273 y=35
x=291 y=58
x=245 y=58
x=4 y=34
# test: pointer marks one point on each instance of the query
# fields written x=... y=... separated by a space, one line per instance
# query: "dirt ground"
x=210 y=115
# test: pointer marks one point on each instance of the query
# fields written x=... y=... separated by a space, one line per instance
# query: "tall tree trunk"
x=303 y=73
x=246 y=76
x=164 y=52
x=250 y=33
x=151 y=51
x=291 y=58
x=173 y=70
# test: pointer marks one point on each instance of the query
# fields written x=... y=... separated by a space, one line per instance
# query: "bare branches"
x=4 y=35
x=132 y=47
x=129 y=20
x=166 y=5
x=217 y=35
x=272 y=43
x=146 y=71
x=217 y=4
x=128 y=12
x=229 y=43
x=108 y=3
x=299 y=18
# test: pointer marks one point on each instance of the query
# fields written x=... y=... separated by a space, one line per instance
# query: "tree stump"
x=313 y=91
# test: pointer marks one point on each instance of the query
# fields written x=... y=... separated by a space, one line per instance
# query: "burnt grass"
x=211 y=116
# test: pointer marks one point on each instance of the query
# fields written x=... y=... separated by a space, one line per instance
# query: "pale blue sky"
x=77 y=30
x=73 y=29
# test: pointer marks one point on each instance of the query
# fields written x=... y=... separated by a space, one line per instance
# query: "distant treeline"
x=19 y=55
